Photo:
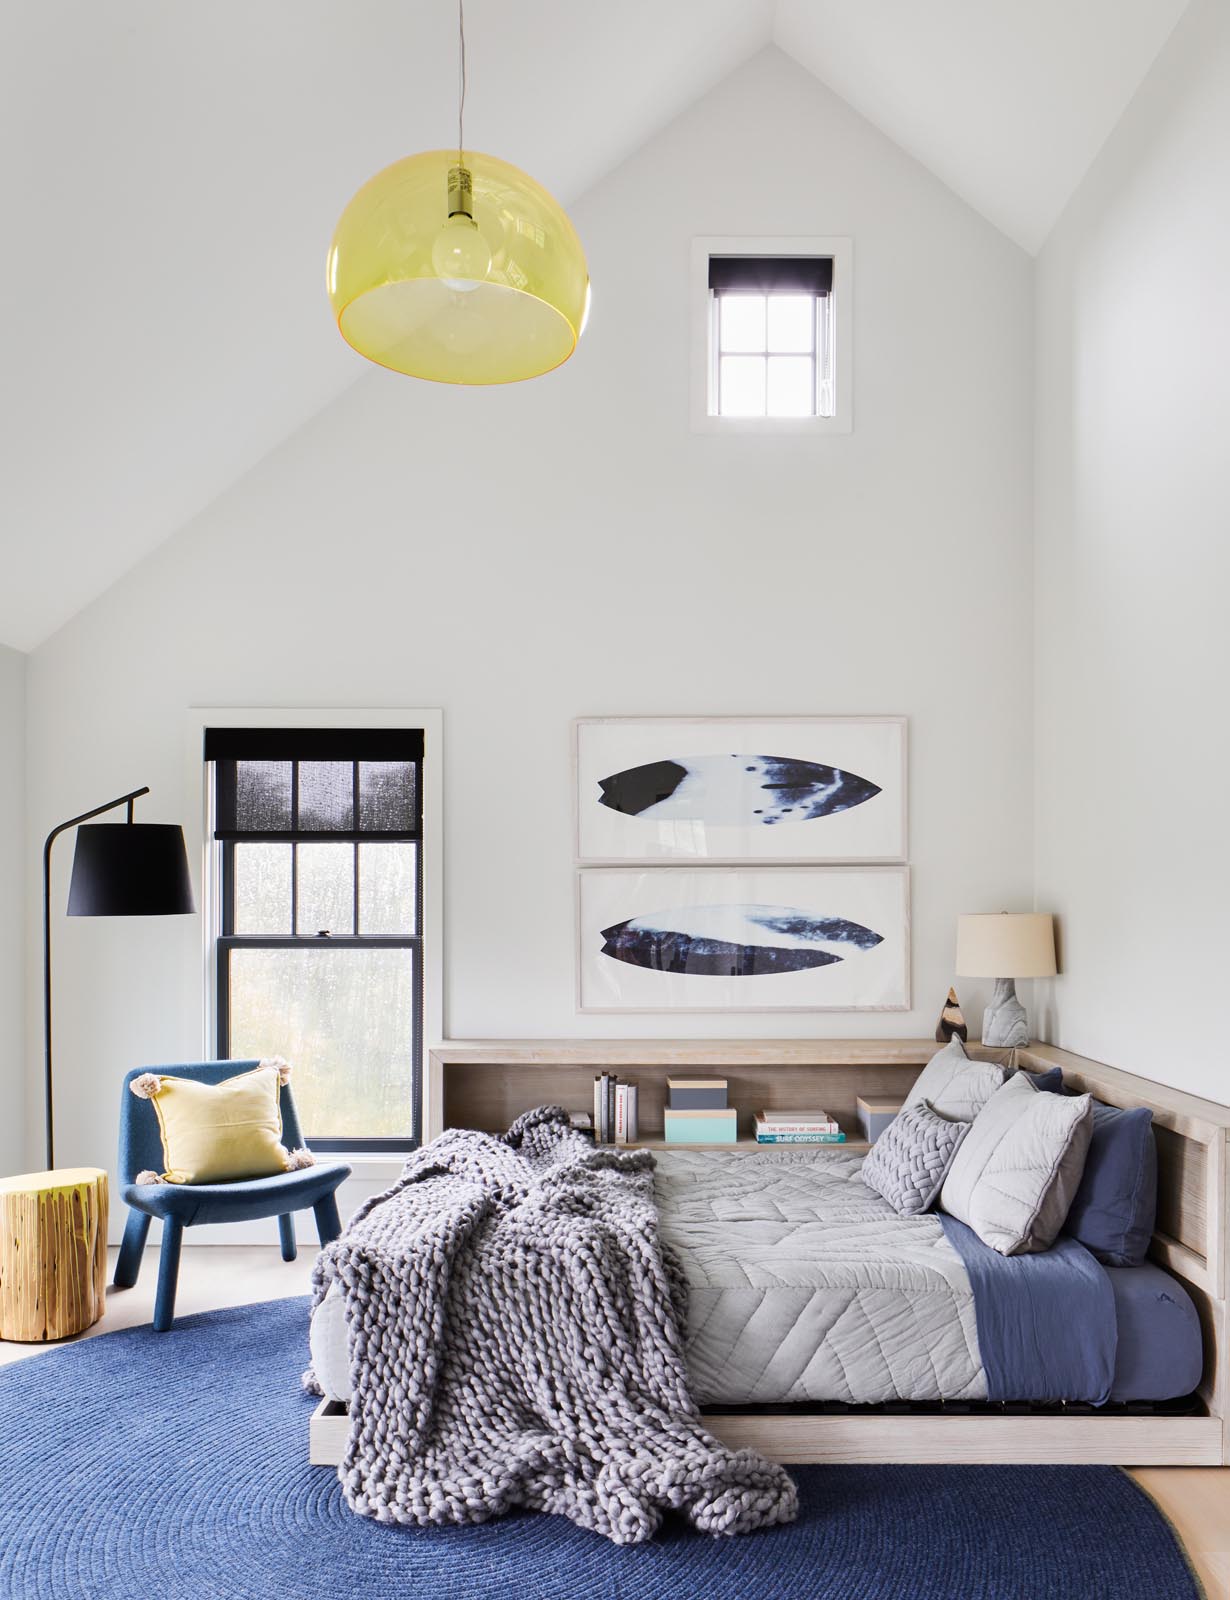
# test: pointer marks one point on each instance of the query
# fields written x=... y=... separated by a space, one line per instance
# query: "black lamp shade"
x=130 y=869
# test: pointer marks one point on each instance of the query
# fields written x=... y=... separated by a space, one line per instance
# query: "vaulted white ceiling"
x=1008 y=101
x=171 y=174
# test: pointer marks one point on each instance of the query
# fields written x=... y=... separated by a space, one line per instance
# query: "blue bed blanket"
x=1046 y=1323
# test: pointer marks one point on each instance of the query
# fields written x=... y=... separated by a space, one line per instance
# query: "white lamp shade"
x=1006 y=945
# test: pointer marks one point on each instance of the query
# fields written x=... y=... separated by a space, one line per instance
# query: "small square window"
x=776 y=321
x=772 y=345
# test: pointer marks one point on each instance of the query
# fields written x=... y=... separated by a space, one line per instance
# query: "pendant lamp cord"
x=461 y=87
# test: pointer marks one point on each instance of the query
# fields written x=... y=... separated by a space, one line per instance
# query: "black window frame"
x=223 y=747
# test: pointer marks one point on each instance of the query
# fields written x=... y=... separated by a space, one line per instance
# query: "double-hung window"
x=318 y=852
x=772 y=335
x=776 y=335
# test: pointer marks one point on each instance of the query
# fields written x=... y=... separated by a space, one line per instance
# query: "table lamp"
x=1006 y=946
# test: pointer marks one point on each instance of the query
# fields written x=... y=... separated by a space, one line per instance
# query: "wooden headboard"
x=486 y=1083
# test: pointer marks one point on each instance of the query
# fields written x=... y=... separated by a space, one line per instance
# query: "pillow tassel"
x=146 y=1177
x=146 y=1086
x=296 y=1160
x=281 y=1065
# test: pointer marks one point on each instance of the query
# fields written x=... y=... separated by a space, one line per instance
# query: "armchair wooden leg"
x=286 y=1228
x=128 y=1262
x=168 y=1274
x=328 y=1222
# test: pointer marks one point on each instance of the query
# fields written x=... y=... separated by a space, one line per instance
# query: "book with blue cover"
x=800 y=1138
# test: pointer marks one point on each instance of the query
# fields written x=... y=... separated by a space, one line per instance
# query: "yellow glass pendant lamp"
x=457 y=267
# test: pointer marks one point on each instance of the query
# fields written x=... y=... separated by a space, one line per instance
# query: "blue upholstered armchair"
x=184 y=1205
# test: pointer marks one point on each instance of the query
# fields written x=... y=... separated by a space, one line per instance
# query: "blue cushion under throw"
x=1116 y=1204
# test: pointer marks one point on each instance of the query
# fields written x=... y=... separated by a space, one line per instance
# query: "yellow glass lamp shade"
x=496 y=292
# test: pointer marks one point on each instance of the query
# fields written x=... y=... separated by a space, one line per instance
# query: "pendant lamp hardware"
x=461 y=81
x=460 y=192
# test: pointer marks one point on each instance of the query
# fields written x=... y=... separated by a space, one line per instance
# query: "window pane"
x=326 y=795
x=741 y=318
x=344 y=1019
x=386 y=796
x=262 y=796
x=792 y=386
x=326 y=889
x=262 y=888
x=792 y=322
x=741 y=386
x=386 y=888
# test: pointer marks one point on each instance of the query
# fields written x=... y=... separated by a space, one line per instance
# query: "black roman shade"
x=771 y=275
x=316 y=783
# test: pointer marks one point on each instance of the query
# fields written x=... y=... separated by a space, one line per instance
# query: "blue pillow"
x=1050 y=1081
x=1116 y=1204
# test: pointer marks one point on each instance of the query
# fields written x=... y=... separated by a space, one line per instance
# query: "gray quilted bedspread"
x=804 y=1285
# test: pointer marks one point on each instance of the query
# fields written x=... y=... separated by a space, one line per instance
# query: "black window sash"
x=224 y=747
x=414 y=945
x=226 y=804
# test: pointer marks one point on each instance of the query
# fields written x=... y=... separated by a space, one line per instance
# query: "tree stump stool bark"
x=53 y=1253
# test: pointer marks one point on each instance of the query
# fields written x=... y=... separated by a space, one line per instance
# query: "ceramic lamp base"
x=1005 y=1023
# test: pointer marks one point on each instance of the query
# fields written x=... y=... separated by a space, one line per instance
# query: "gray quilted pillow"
x=1019 y=1170
x=910 y=1160
x=954 y=1085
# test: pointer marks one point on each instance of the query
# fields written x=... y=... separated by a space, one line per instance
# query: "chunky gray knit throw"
x=515 y=1340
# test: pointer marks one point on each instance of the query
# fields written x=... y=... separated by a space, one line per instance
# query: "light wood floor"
x=1196 y=1499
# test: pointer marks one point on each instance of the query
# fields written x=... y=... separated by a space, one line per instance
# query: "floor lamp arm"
x=124 y=799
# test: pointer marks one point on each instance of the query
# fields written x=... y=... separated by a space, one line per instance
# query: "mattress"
x=806 y=1286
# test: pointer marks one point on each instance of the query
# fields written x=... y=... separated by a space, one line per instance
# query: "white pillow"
x=1017 y=1170
x=955 y=1086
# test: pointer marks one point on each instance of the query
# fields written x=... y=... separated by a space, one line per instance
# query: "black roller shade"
x=771 y=274
x=130 y=869
x=316 y=783
x=313 y=744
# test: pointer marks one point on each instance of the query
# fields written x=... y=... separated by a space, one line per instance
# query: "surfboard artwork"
x=735 y=941
x=734 y=790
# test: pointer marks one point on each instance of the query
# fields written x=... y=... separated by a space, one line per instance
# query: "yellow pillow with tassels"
x=220 y=1132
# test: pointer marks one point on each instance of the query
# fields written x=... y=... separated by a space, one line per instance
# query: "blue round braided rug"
x=146 y=1466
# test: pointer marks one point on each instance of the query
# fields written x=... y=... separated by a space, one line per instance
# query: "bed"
x=805 y=1287
x=823 y=1326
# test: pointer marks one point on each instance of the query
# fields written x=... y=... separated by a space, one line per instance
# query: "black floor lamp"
x=137 y=869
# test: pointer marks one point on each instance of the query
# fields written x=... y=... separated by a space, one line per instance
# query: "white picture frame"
x=617 y=762
x=713 y=909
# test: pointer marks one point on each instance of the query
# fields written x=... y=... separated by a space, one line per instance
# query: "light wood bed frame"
x=487 y=1083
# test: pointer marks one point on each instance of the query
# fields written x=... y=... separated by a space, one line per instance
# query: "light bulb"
x=460 y=254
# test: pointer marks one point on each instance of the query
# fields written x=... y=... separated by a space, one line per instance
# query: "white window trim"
x=842 y=252
x=198 y=836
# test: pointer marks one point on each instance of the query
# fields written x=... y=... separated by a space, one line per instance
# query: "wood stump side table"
x=53 y=1253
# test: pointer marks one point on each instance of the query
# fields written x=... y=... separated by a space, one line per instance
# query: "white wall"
x=1133 y=570
x=12 y=902
x=566 y=547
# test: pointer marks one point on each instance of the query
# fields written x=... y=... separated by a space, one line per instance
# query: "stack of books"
x=797 y=1127
x=698 y=1113
x=615 y=1110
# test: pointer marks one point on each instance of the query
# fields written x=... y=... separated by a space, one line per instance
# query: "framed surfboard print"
x=743 y=939
x=727 y=790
